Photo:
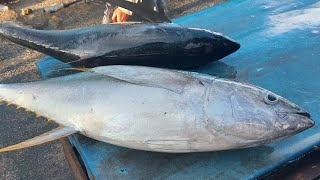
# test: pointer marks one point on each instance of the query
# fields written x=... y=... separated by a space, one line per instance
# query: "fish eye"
x=271 y=98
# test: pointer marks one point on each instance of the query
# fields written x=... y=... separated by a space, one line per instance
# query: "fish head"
x=251 y=115
x=212 y=44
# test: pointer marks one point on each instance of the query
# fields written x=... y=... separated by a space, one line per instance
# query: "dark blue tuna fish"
x=149 y=44
x=159 y=43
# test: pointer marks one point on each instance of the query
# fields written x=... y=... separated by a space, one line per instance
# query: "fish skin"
x=170 y=111
x=165 y=45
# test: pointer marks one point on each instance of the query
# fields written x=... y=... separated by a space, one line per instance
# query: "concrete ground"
x=17 y=64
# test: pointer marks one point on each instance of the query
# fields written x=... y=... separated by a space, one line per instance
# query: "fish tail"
x=19 y=35
x=9 y=96
x=10 y=30
x=4 y=99
x=38 y=40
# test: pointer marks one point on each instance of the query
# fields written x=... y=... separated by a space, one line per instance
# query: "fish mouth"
x=300 y=117
x=304 y=114
x=305 y=117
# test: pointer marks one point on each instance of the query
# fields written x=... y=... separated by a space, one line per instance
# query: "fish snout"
x=305 y=117
x=296 y=122
x=231 y=46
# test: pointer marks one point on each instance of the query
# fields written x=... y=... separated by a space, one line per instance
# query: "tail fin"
x=147 y=14
x=8 y=95
x=55 y=134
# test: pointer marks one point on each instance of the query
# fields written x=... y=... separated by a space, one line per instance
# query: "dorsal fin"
x=149 y=76
x=52 y=135
x=146 y=14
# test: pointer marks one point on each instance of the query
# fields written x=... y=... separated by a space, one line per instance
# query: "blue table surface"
x=280 y=51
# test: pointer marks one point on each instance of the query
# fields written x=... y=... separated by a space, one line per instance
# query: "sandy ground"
x=17 y=64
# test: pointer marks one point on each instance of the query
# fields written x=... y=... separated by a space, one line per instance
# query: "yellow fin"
x=38 y=115
x=78 y=69
x=9 y=103
x=52 y=135
x=18 y=107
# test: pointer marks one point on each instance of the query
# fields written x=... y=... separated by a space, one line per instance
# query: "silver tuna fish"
x=158 y=110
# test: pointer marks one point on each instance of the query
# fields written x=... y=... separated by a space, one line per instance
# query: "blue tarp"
x=280 y=51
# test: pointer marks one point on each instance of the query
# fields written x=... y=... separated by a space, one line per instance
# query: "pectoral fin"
x=52 y=135
x=149 y=76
